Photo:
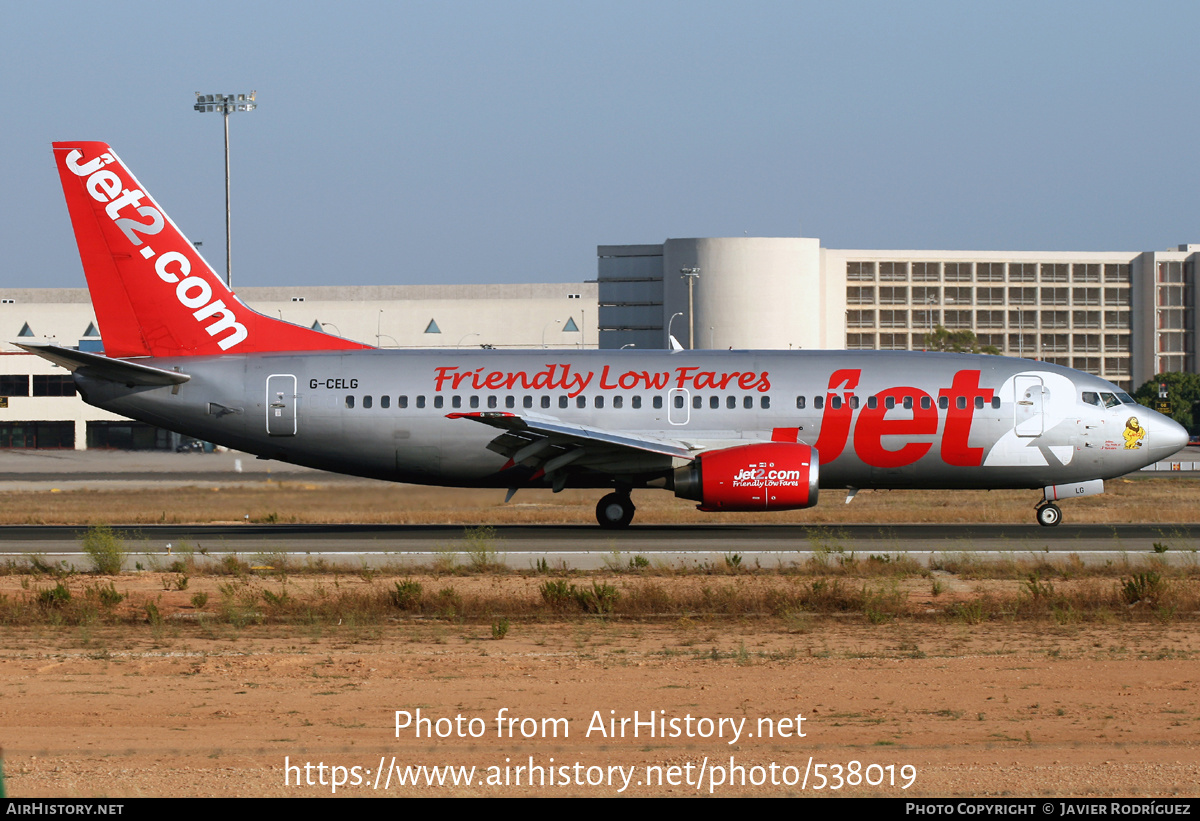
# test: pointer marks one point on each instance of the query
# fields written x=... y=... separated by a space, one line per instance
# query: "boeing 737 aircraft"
x=732 y=430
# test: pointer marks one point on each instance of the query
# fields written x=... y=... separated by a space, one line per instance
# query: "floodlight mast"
x=226 y=104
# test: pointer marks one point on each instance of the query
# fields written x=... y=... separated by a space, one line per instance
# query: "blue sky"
x=415 y=142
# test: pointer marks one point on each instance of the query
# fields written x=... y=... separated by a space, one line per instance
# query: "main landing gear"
x=1048 y=514
x=615 y=510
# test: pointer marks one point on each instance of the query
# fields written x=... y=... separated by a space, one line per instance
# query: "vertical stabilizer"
x=153 y=293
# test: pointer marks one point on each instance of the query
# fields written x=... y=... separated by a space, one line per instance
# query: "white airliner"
x=733 y=430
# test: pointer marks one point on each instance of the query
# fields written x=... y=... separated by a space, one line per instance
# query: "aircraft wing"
x=552 y=444
x=103 y=367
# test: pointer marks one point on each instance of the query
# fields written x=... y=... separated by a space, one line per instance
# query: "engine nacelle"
x=764 y=476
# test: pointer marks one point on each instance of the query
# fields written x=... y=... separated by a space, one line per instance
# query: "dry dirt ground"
x=189 y=708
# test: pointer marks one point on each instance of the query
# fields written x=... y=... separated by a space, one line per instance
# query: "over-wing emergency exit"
x=732 y=430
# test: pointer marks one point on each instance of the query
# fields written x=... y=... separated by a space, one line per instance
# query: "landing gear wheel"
x=615 y=510
x=1048 y=515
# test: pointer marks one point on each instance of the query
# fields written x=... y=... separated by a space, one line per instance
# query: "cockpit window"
x=1091 y=398
x=1125 y=398
x=1110 y=400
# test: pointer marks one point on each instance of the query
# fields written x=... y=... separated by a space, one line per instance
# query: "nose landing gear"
x=615 y=511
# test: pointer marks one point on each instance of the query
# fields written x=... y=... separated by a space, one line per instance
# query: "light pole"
x=226 y=104
x=669 y=321
x=691 y=274
x=460 y=342
x=547 y=325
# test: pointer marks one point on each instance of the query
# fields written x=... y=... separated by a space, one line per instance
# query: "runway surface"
x=591 y=547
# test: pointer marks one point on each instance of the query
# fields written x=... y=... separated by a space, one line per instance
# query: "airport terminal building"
x=1124 y=316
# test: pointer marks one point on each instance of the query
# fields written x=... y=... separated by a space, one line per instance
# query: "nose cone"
x=1169 y=437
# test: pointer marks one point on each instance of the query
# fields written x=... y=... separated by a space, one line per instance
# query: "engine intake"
x=764 y=476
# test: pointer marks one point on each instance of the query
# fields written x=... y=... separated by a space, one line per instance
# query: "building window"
x=958 y=319
x=1086 y=272
x=53 y=385
x=1056 y=296
x=1022 y=272
x=1055 y=272
x=1055 y=319
x=1116 y=272
x=893 y=271
x=989 y=272
x=860 y=271
x=989 y=296
x=926 y=271
x=893 y=295
x=957 y=296
x=957 y=272
x=14 y=385
x=860 y=319
x=860 y=295
x=1116 y=296
x=893 y=319
x=39 y=434
x=1022 y=296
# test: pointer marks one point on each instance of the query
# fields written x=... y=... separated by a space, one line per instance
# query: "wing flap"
x=521 y=431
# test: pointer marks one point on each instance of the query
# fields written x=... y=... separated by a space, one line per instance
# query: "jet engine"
x=764 y=476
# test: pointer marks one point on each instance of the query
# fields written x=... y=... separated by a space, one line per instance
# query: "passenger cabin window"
x=527 y=402
x=492 y=401
x=420 y=400
x=439 y=401
x=658 y=403
x=599 y=402
x=748 y=402
x=349 y=401
x=697 y=402
x=581 y=401
x=637 y=402
x=474 y=401
x=385 y=401
x=764 y=403
x=618 y=401
x=456 y=401
x=545 y=401
x=366 y=401
x=943 y=402
x=562 y=401
x=510 y=402
x=679 y=400
x=402 y=401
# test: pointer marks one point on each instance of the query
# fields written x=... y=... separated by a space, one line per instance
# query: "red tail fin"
x=153 y=293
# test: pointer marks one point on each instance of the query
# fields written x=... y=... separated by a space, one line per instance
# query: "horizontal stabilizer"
x=102 y=367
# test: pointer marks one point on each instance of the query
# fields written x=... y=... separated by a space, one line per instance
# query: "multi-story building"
x=1124 y=316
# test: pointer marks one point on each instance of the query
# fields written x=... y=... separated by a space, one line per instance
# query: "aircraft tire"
x=615 y=511
x=1049 y=515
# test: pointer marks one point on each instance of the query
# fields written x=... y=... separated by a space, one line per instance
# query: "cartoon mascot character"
x=1133 y=433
